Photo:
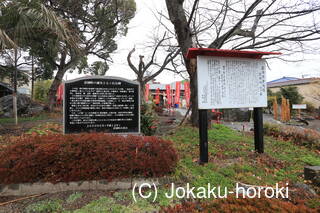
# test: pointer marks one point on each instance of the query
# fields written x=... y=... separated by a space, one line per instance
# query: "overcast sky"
x=141 y=28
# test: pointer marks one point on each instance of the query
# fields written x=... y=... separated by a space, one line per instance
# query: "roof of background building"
x=283 y=79
x=6 y=86
x=272 y=84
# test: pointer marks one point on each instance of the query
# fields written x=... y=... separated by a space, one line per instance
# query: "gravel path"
x=267 y=118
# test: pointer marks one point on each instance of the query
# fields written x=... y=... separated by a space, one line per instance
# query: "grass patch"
x=45 y=206
x=75 y=196
x=42 y=116
x=108 y=204
x=232 y=159
x=45 y=129
x=103 y=204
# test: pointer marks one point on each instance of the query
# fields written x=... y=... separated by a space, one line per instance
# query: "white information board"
x=299 y=106
x=225 y=82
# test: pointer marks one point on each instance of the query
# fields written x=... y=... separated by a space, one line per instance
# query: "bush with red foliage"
x=89 y=156
x=232 y=204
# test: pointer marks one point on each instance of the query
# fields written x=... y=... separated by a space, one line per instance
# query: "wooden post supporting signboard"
x=258 y=130
x=203 y=133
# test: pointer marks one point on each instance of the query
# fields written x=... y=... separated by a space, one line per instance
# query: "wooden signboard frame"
x=203 y=116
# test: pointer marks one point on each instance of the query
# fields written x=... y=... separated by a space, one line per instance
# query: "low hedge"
x=301 y=136
x=89 y=156
x=231 y=205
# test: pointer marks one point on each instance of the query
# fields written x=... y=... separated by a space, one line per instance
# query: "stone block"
x=312 y=173
x=10 y=190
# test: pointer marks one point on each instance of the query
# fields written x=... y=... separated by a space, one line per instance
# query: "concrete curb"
x=25 y=189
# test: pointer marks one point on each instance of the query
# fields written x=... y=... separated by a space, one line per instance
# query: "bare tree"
x=143 y=71
x=273 y=25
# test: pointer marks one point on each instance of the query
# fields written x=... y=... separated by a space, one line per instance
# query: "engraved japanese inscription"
x=101 y=104
x=231 y=82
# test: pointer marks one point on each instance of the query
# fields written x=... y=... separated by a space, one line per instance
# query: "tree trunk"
x=194 y=99
x=32 y=78
x=62 y=69
x=15 y=86
x=142 y=92
x=54 y=87
x=184 y=37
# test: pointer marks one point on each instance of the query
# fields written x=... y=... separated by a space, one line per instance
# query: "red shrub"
x=231 y=205
x=89 y=156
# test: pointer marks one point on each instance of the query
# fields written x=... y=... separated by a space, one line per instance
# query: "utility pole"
x=32 y=77
x=14 y=95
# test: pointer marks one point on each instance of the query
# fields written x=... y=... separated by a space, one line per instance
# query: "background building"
x=309 y=88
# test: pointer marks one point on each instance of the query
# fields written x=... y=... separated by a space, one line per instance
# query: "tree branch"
x=236 y=30
x=167 y=60
x=135 y=70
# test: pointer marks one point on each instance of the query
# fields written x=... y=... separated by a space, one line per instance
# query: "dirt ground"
x=23 y=127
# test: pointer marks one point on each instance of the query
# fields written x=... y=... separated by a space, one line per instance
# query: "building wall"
x=310 y=92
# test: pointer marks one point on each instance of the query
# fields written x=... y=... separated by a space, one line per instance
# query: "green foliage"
x=109 y=20
x=75 y=196
x=23 y=119
x=122 y=196
x=233 y=204
x=149 y=119
x=45 y=129
x=53 y=35
x=102 y=205
x=232 y=159
x=30 y=24
x=314 y=203
x=292 y=94
x=311 y=160
x=270 y=95
x=6 y=72
x=41 y=89
x=97 y=68
x=45 y=206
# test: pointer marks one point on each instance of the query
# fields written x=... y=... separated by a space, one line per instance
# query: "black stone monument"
x=101 y=104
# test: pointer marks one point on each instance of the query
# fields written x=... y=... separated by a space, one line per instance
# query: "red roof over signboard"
x=194 y=52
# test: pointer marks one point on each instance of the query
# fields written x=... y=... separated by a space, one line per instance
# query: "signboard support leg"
x=258 y=130
x=203 y=132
